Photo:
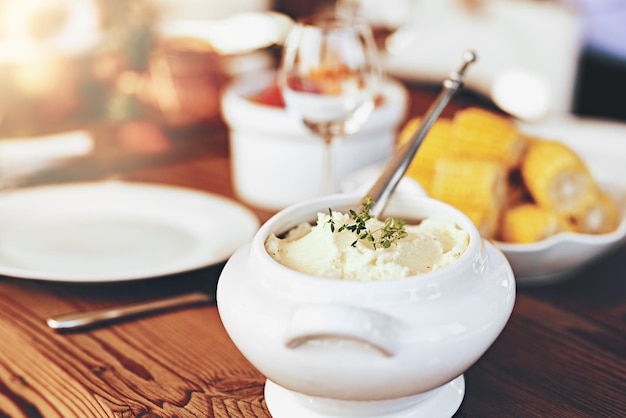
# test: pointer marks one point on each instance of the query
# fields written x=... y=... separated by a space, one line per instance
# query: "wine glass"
x=329 y=77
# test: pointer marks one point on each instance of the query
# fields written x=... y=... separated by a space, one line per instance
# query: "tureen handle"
x=319 y=322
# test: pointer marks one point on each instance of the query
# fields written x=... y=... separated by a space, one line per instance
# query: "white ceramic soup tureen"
x=345 y=348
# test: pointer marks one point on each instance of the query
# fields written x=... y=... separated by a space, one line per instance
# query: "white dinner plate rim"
x=197 y=200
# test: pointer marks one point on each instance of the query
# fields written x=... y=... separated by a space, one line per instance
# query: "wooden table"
x=562 y=354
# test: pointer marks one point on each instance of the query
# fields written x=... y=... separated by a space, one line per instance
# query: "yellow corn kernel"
x=466 y=181
x=599 y=215
x=434 y=144
x=528 y=223
x=423 y=175
x=479 y=133
x=476 y=187
x=556 y=177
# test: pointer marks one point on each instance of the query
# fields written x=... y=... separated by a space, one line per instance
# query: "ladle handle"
x=394 y=171
x=79 y=320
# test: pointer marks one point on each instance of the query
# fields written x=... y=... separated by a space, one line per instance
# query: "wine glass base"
x=441 y=402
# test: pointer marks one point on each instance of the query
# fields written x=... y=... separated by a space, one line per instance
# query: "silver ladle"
x=382 y=190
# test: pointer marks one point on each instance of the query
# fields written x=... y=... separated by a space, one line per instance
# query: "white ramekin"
x=276 y=162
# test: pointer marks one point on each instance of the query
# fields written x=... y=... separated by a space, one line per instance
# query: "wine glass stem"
x=330 y=164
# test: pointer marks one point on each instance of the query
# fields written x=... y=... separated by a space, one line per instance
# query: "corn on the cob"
x=599 y=215
x=478 y=133
x=556 y=177
x=435 y=144
x=513 y=186
x=529 y=223
x=476 y=187
x=433 y=147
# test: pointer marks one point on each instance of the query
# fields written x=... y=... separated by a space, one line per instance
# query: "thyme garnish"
x=389 y=233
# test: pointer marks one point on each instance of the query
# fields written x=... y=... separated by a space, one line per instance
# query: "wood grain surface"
x=562 y=354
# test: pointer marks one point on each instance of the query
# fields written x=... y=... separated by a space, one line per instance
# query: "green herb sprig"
x=389 y=233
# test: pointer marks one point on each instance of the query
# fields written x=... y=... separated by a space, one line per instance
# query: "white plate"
x=114 y=231
x=602 y=145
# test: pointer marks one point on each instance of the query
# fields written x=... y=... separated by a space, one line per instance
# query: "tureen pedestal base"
x=441 y=402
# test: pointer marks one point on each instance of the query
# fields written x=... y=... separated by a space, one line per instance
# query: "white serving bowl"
x=601 y=145
x=276 y=162
x=393 y=348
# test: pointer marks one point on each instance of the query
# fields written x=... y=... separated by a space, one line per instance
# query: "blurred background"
x=139 y=75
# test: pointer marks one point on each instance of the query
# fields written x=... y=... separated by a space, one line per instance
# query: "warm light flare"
x=239 y=33
x=523 y=93
x=35 y=28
